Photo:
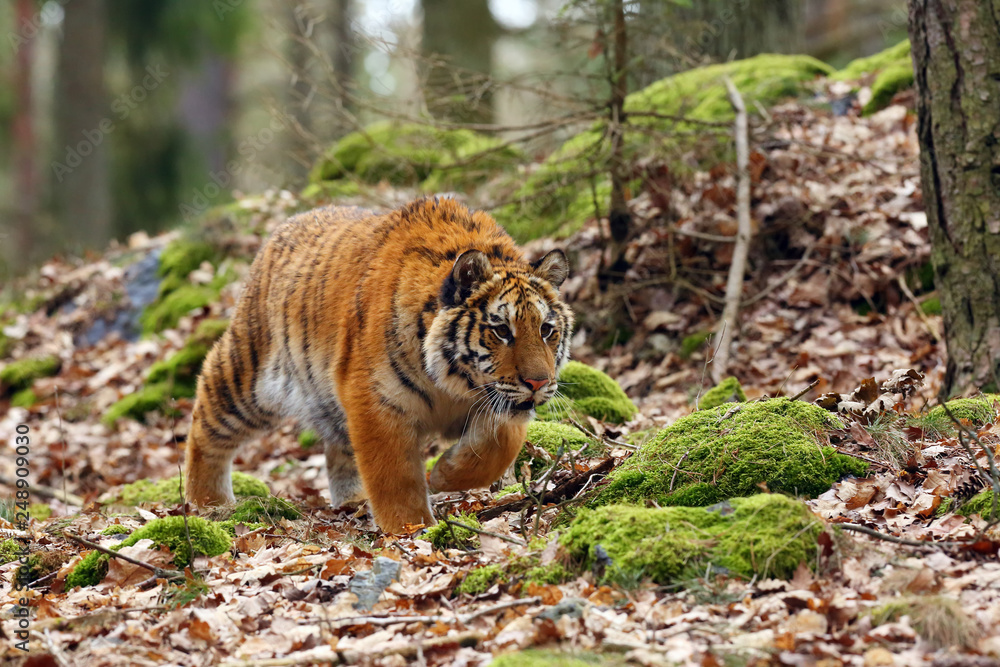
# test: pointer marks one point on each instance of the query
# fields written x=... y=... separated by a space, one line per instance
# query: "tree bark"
x=24 y=152
x=80 y=167
x=956 y=56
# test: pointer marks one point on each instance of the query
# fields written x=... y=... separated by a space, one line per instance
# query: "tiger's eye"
x=502 y=332
x=547 y=330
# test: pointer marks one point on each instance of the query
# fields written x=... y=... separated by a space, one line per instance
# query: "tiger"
x=381 y=331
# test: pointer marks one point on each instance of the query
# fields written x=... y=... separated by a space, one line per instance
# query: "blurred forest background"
x=125 y=115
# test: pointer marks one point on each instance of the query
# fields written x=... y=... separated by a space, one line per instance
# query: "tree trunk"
x=83 y=125
x=24 y=151
x=956 y=56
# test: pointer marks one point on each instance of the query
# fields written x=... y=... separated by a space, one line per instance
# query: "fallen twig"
x=505 y=538
x=562 y=490
x=897 y=540
x=173 y=575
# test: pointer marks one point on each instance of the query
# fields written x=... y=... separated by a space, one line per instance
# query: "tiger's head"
x=502 y=333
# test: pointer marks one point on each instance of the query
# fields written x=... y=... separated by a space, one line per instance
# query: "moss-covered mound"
x=550 y=436
x=206 y=537
x=264 y=509
x=729 y=451
x=168 y=491
x=20 y=375
x=767 y=535
x=479 y=580
x=728 y=391
x=978 y=411
x=981 y=504
x=174 y=377
x=415 y=155
x=10 y=549
x=893 y=71
x=443 y=535
x=177 y=296
x=591 y=392
x=557 y=198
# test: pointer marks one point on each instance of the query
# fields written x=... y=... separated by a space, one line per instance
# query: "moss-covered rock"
x=893 y=71
x=206 y=537
x=414 y=154
x=21 y=374
x=264 y=509
x=167 y=311
x=591 y=392
x=443 y=535
x=557 y=198
x=729 y=451
x=174 y=377
x=479 y=580
x=728 y=391
x=178 y=297
x=550 y=436
x=977 y=411
x=168 y=491
x=24 y=398
x=766 y=535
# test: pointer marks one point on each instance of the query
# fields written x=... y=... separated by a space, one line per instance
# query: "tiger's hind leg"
x=341 y=469
x=226 y=414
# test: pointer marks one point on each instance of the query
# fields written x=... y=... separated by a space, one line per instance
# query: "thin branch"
x=505 y=538
x=901 y=281
x=737 y=270
x=897 y=540
x=159 y=572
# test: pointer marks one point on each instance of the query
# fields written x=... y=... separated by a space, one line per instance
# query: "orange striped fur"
x=380 y=331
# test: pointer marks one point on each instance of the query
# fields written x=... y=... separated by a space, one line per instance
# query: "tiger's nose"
x=536 y=383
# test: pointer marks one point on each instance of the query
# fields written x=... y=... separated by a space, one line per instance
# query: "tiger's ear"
x=471 y=268
x=554 y=267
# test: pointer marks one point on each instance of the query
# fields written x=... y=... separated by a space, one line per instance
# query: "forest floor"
x=837 y=293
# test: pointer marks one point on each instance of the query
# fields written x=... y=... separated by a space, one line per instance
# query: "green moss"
x=183 y=256
x=40 y=564
x=931 y=306
x=940 y=620
x=445 y=536
x=168 y=491
x=414 y=154
x=177 y=296
x=206 y=537
x=24 y=398
x=479 y=580
x=728 y=391
x=268 y=509
x=891 y=57
x=39 y=511
x=149 y=398
x=767 y=535
x=550 y=436
x=693 y=343
x=116 y=529
x=10 y=550
x=591 y=392
x=22 y=374
x=551 y=574
x=557 y=197
x=977 y=411
x=945 y=506
x=551 y=658
x=729 y=451
x=981 y=504
x=229 y=525
x=432 y=461
x=167 y=311
x=508 y=490
x=308 y=438
x=889 y=82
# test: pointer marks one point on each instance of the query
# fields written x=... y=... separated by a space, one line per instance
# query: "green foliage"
x=728 y=451
x=931 y=306
x=149 y=398
x=168 y=491
x=767 y=535
x=550 y=436
x=551 y=658
x=414 y=154
x=981 y=504
x=590 y=392
x=728 y=391
x=479 y=580
x=308 y=438
x=693 y=343
x=267 y=509
x=22 y=374
x=940 y=620
x=206 y=537
x=446 y=536
x=558 y=197
x=24 y=398
x=10 y=550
